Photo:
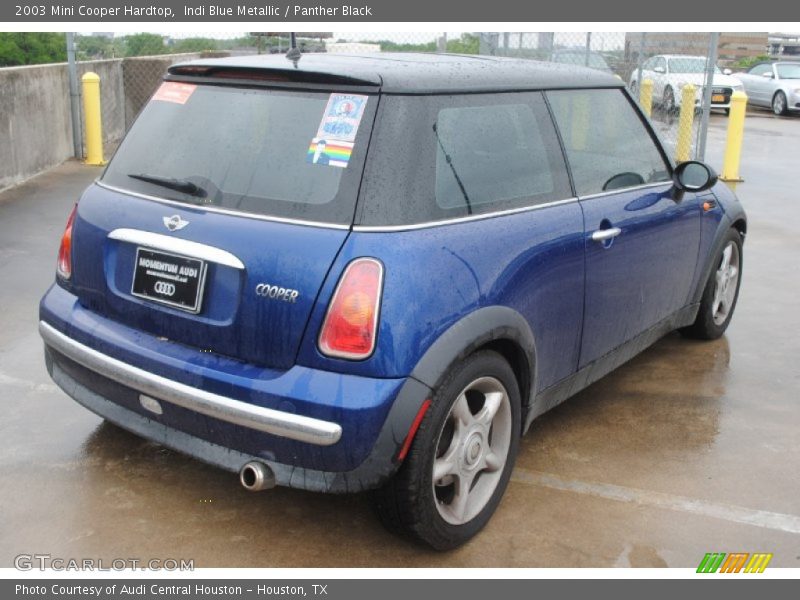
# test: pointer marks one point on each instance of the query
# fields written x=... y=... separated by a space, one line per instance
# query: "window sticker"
x=334 y=153
x=342 y=117
x=172 y=91
x=333 y=143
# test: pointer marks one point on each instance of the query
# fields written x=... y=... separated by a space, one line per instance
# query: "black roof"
x=407 y=73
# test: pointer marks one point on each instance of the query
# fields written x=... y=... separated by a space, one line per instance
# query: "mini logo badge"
x=174 y=223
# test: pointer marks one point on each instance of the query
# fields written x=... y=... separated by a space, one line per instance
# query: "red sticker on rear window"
x=172 y=91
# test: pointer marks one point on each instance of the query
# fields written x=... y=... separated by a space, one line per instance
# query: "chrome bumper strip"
x=177 y=245
x=288 y=425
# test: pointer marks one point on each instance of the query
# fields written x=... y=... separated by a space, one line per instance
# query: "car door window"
x=661 y=62
x=760 y=70
x=608 y=145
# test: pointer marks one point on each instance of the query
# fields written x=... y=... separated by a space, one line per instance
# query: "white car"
x=671 y=72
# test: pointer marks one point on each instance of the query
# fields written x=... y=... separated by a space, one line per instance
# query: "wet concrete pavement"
x=689 y=448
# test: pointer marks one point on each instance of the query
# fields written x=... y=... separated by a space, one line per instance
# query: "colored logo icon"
x=735 y=562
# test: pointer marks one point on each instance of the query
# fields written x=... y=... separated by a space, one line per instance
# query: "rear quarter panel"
x=531 y=262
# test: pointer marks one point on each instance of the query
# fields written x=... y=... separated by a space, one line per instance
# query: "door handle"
x=601 y=235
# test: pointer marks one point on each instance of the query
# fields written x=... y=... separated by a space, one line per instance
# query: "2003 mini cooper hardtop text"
x=358 y=273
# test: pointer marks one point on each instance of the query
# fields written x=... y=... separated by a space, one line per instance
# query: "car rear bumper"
x=317 y=430
x=287 y=425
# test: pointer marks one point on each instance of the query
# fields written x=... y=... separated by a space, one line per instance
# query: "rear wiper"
x=179 y=185
x=449 y=160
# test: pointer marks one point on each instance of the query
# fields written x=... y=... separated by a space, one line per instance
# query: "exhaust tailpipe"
x=256 y=476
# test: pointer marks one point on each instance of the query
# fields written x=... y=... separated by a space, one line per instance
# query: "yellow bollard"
x=92 y=119
x=733 y=147
x=646 y=96
x=684 y=147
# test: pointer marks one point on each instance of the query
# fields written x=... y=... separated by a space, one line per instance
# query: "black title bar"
x=730 y=587
x=364 y=11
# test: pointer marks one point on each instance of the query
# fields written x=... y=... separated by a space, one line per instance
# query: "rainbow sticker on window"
x=334 y=153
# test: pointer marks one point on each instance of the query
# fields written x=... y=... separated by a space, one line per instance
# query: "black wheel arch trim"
x=479 y=328
x=729 y=220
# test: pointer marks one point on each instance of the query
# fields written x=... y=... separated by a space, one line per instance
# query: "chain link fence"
x=663 y=63
x=671 y=61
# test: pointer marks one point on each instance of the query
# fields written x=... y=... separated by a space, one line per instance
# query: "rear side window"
x=441 y=157
x=607 y=144
x=490 y=155
x=246 y=150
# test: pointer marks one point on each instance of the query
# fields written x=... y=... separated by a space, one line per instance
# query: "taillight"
x=350 y=327
x=64 y=265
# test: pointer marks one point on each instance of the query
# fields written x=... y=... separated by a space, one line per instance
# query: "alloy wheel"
x=727 y=282
x=472 y=450
x=779 y=104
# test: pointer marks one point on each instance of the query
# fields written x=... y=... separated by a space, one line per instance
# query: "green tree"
x=468 y=43
x=387 y=46
x=749 y=61
x=32 y=48
x=240 y=42
x=197 y=44
x=144 y=44
x=94 y=47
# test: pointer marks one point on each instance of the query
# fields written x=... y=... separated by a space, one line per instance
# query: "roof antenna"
x=294 y=53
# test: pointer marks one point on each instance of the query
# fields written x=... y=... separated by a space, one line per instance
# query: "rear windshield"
x=295 y=155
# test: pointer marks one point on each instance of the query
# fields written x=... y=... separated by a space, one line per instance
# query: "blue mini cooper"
x=347 y=273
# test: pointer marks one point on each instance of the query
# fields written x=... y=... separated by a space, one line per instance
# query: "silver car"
x=774 y=85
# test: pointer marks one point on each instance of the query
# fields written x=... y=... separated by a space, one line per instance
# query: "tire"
x=668 y=102
x=779 y=104
x=475 y=457
x=721 y=292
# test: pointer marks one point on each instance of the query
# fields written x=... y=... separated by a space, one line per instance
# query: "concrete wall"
x=35 y=116
x=35 y=124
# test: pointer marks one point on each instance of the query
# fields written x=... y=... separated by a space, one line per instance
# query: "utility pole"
x=711 y=65
x=74 y=98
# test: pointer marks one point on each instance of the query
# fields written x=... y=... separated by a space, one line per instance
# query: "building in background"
x=784 y=45
x=733 y=46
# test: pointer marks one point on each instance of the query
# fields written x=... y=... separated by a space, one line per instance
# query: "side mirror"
x=692 y=176
x=659 y=70
x=727 y=72
x=769 y=75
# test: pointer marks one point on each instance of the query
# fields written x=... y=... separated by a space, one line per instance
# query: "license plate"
x=718 y=98
x=169 y=279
